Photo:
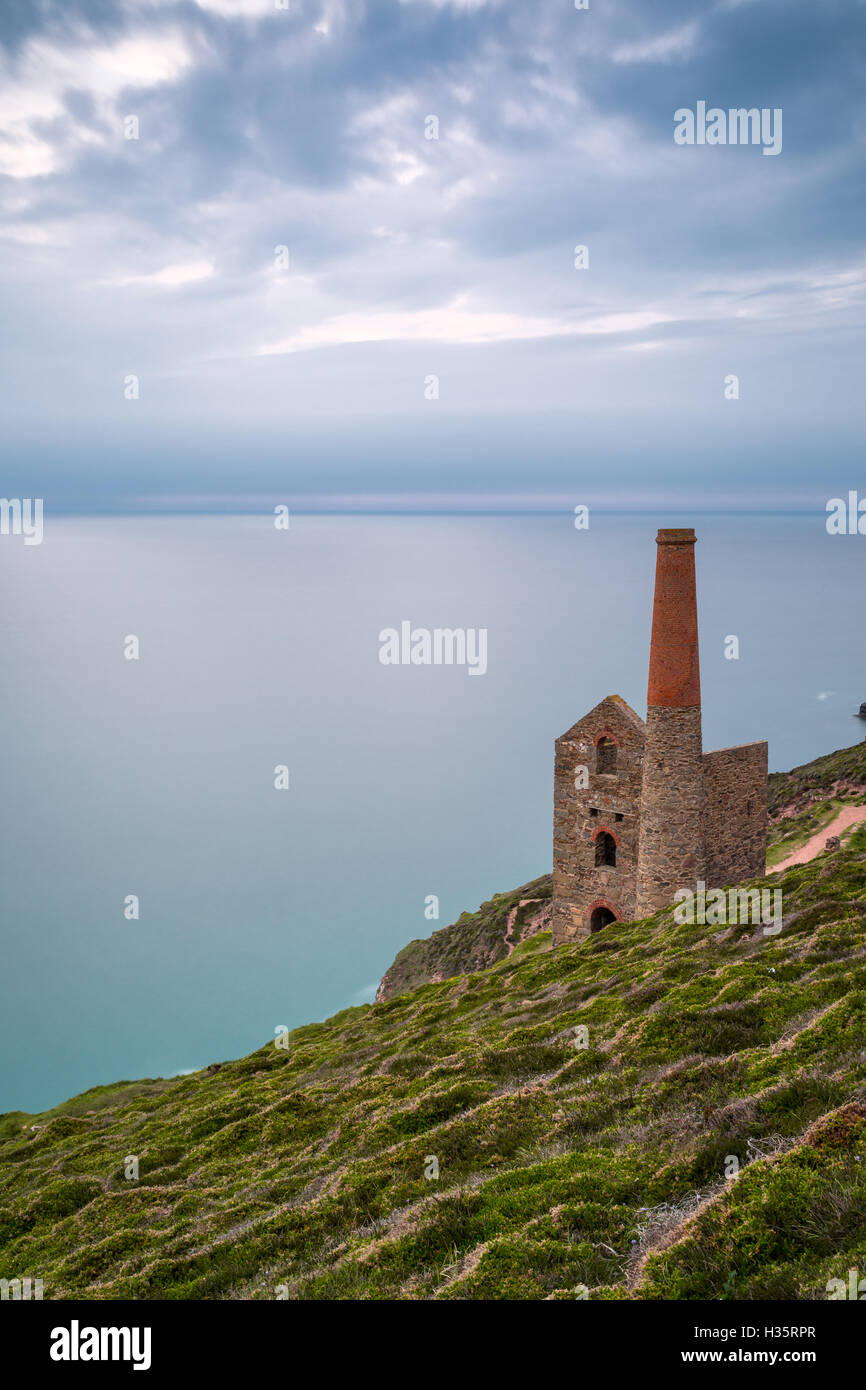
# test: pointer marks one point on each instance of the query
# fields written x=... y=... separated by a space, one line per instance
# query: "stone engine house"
x=639 y=809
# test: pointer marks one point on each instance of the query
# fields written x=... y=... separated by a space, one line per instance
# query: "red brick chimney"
x=671 y=849
x=674 y=674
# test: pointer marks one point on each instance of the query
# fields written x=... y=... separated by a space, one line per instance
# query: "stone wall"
x=610 y=802
x=677 y=816
x=735 y=781
x=672 y=851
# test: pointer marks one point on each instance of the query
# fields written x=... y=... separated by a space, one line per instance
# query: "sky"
x=239 y=206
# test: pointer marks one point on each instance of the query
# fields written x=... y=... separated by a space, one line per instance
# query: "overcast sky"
x=410 y=257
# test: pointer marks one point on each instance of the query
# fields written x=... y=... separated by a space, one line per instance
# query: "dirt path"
x=509 y=923
x=849 y=815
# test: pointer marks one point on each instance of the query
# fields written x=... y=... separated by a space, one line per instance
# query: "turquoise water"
x=261 y=908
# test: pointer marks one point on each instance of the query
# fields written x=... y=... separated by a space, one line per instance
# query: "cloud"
x=306 y=128
x=675 y=46
x=241 y=9
x=454 y=4
x=453 y=323
x=170 y=275
x=37 y=129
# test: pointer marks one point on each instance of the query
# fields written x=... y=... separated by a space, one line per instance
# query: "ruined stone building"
x=639 y=809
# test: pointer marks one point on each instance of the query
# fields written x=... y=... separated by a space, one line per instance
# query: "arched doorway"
x=601 y=917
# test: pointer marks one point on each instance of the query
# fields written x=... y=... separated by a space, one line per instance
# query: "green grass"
x=306 y=1172
x=559 y=1167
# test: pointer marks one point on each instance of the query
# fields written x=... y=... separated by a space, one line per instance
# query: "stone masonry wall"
x=672 y=851
x=580 y=814
x=735 y=781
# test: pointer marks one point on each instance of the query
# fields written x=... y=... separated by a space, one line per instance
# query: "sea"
x=222 y=814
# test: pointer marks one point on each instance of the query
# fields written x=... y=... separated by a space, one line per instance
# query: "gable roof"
x=615 y=713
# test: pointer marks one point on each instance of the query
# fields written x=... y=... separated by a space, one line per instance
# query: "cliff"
x=474 y=942
x=555 y=1123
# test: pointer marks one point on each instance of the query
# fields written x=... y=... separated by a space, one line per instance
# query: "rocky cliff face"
x=475 y=941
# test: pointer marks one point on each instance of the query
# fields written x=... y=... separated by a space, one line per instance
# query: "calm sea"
x=259 y=648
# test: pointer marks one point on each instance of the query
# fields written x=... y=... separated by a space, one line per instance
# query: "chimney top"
x=683 y=535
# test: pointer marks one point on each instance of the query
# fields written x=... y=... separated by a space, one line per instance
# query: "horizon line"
x=377 y=509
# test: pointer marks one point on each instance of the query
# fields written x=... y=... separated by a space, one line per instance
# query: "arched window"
x=605 y=849
x=605 y=755
x=601 y=917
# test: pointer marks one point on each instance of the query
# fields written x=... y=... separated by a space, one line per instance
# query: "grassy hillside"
x=846 y=768
x=808 y=798
x=302 y=1172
